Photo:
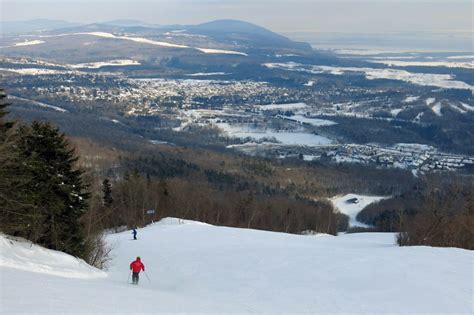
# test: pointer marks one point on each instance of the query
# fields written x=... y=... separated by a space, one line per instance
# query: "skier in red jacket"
x=136 y=266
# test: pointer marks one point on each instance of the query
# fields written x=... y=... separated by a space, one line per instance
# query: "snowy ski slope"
x=344 y=205
x=200 y=268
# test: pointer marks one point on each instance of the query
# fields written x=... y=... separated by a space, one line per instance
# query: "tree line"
x=438 y=211
x=137 y=200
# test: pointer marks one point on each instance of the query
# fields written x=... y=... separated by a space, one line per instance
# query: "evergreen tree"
x=42 y=196
x=4 y=125
x=107 y=199
x=57 y=193
x=14 y=216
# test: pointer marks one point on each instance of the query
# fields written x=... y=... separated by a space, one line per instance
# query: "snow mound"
x=352 y=204
x=21 y=254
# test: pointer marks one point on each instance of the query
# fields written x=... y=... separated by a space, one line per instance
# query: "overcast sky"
x=278 y=15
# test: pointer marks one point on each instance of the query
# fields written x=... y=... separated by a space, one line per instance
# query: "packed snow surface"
x=200 y=268
x=352 y=204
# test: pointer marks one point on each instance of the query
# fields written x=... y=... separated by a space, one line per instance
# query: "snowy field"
x=199 y=268
x=243 y=131
x=100 y=64
x=291 y=106
x=400 y=63
x=29 y=43
x=311 y=121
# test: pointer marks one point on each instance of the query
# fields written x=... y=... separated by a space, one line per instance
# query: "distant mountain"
x=116 y=26
x=239 y=31
x=93 y=27
x=129 y=23
x=219 y=34
x=33 y=25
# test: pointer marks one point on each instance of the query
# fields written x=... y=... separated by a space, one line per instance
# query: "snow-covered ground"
x=411 y=99
x=400 y=63
x=430 y=100
x=396 y=111
x=437 y=109
x=29 y=43
x=147 y=41
x=243 y=131
x=352 y=204
x=308 y=120
x=36 y=71
x=96 y=65
x=467 y=107
x=40 y=104
x=22 y=255
x=200 y=268
x=291 y=106
x=133 y=39
x=221 y=51
x=203 y=74
x=425 y=79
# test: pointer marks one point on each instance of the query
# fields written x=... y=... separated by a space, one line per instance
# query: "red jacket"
x=137 y=266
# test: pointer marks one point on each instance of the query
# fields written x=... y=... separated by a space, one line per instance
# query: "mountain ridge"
x=227 y=31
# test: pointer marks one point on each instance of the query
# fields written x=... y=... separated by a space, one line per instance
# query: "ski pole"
x=128 y=280
x=147 y=276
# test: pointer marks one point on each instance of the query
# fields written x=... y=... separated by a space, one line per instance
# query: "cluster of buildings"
x=415 y=157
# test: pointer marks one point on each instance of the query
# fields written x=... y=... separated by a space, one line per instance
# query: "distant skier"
x=134 y=232
x=136 y=266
